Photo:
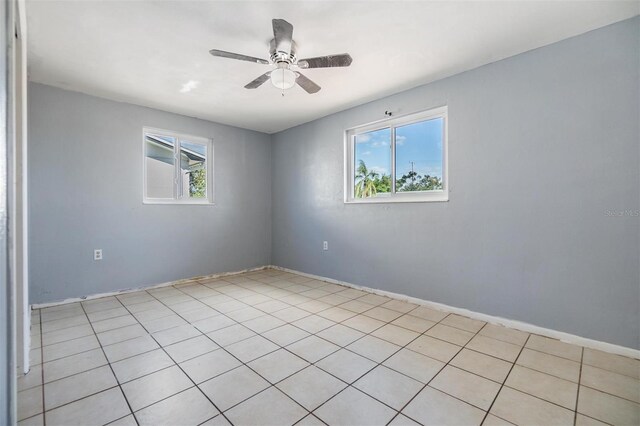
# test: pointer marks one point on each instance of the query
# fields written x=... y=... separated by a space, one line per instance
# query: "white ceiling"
x=143 y=52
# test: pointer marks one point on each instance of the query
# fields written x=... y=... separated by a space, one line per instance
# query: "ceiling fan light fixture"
x=283 y=78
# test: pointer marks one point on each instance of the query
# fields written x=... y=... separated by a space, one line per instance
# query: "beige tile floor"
x=274 y=348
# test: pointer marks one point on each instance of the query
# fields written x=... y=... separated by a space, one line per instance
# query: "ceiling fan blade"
x=330 y=61
x=309 y=86
x=223 y=54
x=283 y=34
x=258 y=81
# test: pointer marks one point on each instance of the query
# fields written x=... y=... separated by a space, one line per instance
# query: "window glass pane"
x=419 y=156
x=372 y=167
x=160 y=166
x=193 y=166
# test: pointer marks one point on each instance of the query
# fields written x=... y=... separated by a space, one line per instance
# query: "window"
x=401 y=159
x=177 y=168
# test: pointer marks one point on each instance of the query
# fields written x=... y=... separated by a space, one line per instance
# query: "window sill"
x=439 y=198
x=179 y=203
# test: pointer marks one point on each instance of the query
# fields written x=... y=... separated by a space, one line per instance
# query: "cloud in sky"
x=189 y=86
x=400 y=140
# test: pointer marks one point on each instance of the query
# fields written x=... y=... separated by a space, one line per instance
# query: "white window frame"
x=393 y=123
x=177 y=180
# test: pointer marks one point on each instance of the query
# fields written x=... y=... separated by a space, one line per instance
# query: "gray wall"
x=541 y=146
x=85 y=177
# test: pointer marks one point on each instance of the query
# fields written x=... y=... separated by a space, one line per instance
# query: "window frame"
x=392 y=123
x=209 y=199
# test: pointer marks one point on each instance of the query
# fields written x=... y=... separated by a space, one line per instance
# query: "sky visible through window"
x=418 y=145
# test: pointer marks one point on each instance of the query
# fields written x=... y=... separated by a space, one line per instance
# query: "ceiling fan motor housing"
x=277 y=57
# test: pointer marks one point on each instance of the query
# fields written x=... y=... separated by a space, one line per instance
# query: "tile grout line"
x=110 y=367
x=399 y=412
x=575 y=412
x=242 y=362
x=44 y=417
x=505 y=381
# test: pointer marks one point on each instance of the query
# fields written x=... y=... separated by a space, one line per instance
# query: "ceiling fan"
x=283 y=55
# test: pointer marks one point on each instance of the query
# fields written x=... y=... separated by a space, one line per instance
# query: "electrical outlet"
x=325 y=245
x=97 y=254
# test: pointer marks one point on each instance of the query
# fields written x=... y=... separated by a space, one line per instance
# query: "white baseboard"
x=518 y=325
x=133 y=290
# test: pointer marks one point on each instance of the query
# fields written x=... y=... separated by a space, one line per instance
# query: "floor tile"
x=209 y=365
x=30 y=402
x=163 y=323
x=278 y=365
x=382 y=314
x=311 y=387
x=233 y=387
x=433 y=407
x=582 y=420
x=337 y=314
x=356 y=306
x=608 y=408
x=107 y=314
x=37 y=420
x=340 y=335
x=428 y=313
x=450 y=334
x=78 y=386
x=70 y=347
x=313 y=323
x=189 y=407
x=76 y=320
x=419 y=325
x=199 y=314
x=129 y=348
x=312 y=348
x=470 y=388
x=245 y=314
x=388 y=386
x=414 y=365
x=314 y=306
x=483 y=365
x=98 y=409
x=291 y=314
x=346 y=365
x=263 y=323
x=251 y=348
x=190 y=348
x=543 y=386
x=492 y=420
x=497 y=348
x=230 y=335
x=65 y=334
x=176 y=334
x=395 y=334
x=434 y=348
x=607 y=381
x=113 y=323
x=554 y=347
x=156 y=386
x=521 y=408
x=505 y=334
x=210 y=324
x=121 y=334
x=463 y=323
x=32 y=379
x=373 y=348
x=310 y=420
x=399 y=306
x=285 y=335
x=374 y=299
x=270 y=407
x=73 y=364
x=140 y=365
x=550 y=364
x=352 y=407
x=616 y=363
x=363 y=323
